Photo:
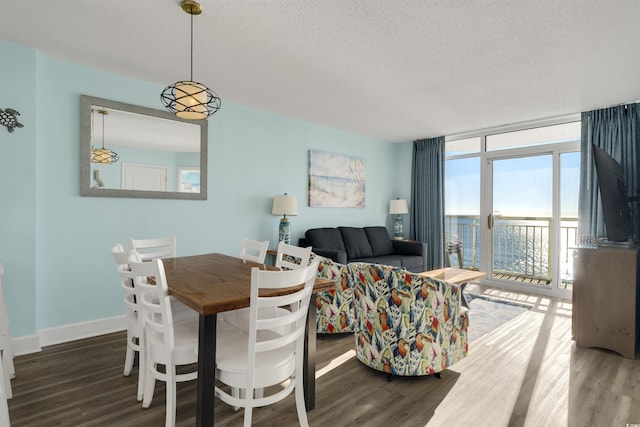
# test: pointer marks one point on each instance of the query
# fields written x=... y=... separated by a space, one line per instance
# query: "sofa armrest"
x=334 y=254
x=407 y=247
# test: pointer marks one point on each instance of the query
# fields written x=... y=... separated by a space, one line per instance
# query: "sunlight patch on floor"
x=336 y=362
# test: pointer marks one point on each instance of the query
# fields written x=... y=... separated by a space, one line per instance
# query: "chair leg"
x=128 y=360
x=170 y=419
x=142 y=373
x=235 y=392
x=4 y=409
x=6 y=372
x=7 y=355
x=248 y=411
x=12 y=368
x=149 y=386
x=300 y=403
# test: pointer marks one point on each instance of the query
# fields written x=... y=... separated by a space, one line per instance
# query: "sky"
x=522 y=186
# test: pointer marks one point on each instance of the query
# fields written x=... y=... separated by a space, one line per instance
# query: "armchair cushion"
x=407 y=324
x=334 y=308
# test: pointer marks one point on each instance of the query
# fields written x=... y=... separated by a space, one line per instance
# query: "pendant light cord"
x=191 y=47
x=103 y=131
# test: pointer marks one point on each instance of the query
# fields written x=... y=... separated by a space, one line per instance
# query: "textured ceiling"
x=394 y=70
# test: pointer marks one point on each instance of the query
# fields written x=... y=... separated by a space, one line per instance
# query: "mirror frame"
x=86 y=102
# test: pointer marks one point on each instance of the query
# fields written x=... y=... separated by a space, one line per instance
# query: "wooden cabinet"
x=605 y=299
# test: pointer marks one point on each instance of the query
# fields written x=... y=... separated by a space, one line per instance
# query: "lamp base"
x=284 y=231
x=398 y=228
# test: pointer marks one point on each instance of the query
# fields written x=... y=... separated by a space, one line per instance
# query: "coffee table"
x=459 y=276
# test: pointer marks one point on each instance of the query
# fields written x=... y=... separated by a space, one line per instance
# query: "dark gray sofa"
x=366 y=244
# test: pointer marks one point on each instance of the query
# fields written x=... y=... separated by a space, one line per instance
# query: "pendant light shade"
x=188 y=99
x=103 y=155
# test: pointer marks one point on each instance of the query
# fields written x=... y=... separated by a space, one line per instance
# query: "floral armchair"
x=407 y=324
x=334 y=308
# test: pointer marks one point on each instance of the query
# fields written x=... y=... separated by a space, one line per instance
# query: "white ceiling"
x=395 y=70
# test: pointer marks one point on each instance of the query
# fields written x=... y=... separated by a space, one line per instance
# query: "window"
x=511 y=199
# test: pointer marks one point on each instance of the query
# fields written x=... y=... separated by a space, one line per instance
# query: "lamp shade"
x=398 y=206
x=285 y=204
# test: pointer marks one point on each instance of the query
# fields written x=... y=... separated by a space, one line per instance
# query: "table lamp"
x=285 y=205
x=398 y=207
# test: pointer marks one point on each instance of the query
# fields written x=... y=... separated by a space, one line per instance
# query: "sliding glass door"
x=520 y=222
x=511 y=201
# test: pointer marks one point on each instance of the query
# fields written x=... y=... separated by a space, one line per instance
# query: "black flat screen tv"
x=614 y=195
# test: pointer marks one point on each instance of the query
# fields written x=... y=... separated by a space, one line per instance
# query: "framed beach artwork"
x=336 y=180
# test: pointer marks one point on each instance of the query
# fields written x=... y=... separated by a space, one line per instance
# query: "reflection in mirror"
x=132 y=151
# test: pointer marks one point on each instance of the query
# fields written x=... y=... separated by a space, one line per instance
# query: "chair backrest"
x=164 y=247
x=7 y=367
x=121 y=258
x=286 y=314
x=253 y=250
x=154 y=302
x=454 y=247
x=292 y=257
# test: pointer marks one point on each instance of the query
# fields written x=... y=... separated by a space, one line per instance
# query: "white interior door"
x=137 y=176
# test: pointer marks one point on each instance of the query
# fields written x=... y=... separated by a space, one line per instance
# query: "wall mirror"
x=132 y=151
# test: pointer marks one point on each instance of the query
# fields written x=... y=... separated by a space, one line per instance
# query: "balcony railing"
x=522 y=246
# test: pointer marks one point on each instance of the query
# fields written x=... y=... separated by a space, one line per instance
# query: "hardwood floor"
x=526 y=373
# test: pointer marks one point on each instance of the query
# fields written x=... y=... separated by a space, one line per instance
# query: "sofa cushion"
x=325 y=238
x=379 y=240
x=413 y=263
x=356 y=242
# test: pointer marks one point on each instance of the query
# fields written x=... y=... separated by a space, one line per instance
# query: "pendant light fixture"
x=188 y=99
x=103 y=155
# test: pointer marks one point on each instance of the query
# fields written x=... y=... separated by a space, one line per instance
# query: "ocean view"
x=521 y=246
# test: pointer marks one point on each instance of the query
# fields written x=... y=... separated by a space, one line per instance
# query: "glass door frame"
x=486 y=209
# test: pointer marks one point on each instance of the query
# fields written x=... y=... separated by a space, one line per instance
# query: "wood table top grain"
x=213 y=283
x=455 y=275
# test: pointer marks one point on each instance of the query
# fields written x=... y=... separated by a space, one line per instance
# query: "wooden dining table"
x=214 y=283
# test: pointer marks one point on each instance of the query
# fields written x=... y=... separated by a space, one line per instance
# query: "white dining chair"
x=164 y=247
x=254 y=250
x=240 y=318
x=4 y=407
x=135 y=335
x=170 y=342
x=159 y=248
x=261 y=357
x=291 y=257
x=6 y=349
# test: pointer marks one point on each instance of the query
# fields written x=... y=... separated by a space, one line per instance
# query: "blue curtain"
x=427 y=198
x=615 y=130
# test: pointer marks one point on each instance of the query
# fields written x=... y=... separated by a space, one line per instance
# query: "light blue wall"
x=18 y=201
x=55 y=244
x=402 y=164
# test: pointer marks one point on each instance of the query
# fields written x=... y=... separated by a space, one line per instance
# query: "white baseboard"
x=66 y=333
x=25 y=345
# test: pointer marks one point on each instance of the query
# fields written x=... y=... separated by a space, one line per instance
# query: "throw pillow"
x=356 y=242
x=325 y=238
x=379 y=240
